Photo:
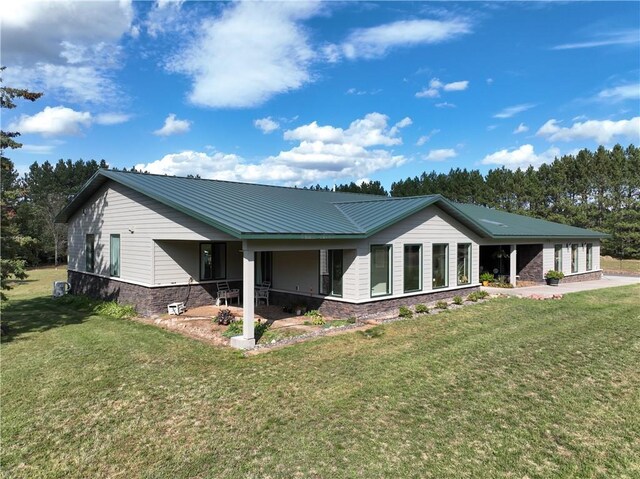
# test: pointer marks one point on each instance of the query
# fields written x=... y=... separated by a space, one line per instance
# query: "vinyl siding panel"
x=296 y=271
x=427 y=227
x=116 y=209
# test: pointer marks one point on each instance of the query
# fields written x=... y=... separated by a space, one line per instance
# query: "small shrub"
x=405 y=312
x=234 y=329
x=482 y=294
x=372 y=333
x=473 y=297
x=422 y=309
x=316 y=317
x=115 y=310
x=442 y=305
x=351 y=320
x=458 y=300
x=553 y=274
x=225 y=317
x=486 y=276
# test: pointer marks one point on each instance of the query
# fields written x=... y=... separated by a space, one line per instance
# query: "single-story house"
x=150 y=240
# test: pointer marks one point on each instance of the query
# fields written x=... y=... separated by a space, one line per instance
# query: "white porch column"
x=247 y=340
x=513 y=262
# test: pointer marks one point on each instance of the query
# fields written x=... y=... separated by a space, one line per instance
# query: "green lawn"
x=511 y=388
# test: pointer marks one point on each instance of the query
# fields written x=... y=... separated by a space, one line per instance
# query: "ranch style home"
x=151 y=240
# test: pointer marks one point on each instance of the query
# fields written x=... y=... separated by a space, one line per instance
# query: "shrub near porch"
x=511 y=387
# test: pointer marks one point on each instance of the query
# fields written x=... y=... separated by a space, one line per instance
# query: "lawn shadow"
x=40 y=314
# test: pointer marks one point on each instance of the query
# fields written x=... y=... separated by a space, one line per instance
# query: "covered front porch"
x=511 y=263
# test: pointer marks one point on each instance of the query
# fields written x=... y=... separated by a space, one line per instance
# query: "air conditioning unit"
x=60 y=288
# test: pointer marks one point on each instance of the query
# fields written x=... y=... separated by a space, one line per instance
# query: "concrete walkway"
x=563 y=288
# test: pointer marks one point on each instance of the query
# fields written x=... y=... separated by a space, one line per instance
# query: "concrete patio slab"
x=548 y=291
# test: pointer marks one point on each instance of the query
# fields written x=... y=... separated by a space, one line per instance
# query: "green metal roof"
x=251 y=211
x=500 y=224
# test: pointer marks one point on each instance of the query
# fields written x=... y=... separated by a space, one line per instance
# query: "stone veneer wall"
x=146 y=300
x=588 y=276
x=531 y=257
x=339 y=309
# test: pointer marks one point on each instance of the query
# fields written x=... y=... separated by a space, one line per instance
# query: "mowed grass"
x=625 y=266
x=509 y=388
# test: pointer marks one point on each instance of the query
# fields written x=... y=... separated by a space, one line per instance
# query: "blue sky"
x=300 y=93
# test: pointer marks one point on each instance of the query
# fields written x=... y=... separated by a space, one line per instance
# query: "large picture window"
x=213 y=261
x=464 y=263
x=380 y=270
x=574 y=258
x=114 y=252
x=589 y=256
x=412 y=268
x=440 y=261
x=90 y=253
x=557 y=257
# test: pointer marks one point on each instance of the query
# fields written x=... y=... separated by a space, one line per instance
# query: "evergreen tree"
x=12 y=245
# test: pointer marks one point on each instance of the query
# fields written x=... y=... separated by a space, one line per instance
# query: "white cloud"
x=112 y=118
x=522 y=128
x=489 y=81
x=251 y=52
x=66 y=48
x=267 y=125
x=522 y=157
x=322 y=153
x=441 y=155
x=445 y=104
x=513 y=110
x=173 y=126
x=620 y=93
x=601 y=131
x=456 y=86
x=377 y=41
x=425 y=138
x=435 y=86
x=368 y=131
x=603 y=40
x=53 y=121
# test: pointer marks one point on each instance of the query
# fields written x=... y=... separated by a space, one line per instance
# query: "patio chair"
x=225 y=293
x=262 y=292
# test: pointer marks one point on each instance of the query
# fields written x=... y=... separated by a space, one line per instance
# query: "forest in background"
x=592 y=189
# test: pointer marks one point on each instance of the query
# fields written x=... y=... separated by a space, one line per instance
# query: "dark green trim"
x=447 y=269
x=470 y=249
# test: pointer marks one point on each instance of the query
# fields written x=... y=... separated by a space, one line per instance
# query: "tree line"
x=592 y=189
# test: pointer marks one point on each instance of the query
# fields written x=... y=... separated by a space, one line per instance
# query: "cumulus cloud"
x=266 y=125
x=445 y=104
x=620 y=93
x=248 y=54
x=456 y=86
x=378 y=41
x=53 y=121
x=601 y=131
x=322 y=153
x=67 y=48
x=173 y=126
x=435 y=86
x=513 y=110
x=521 y=128
x=522 y=157
x=441 y=155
